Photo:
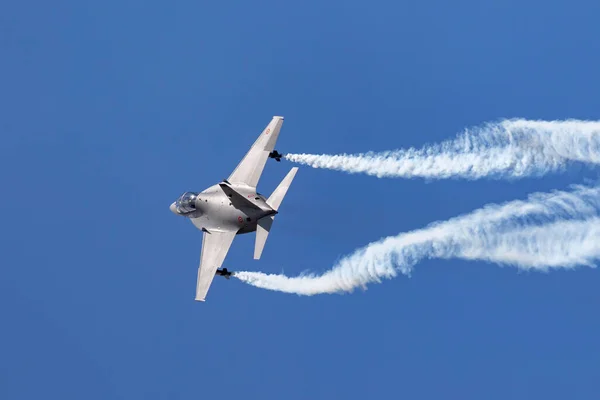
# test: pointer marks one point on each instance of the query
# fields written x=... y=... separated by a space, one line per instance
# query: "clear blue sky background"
x=110 y=110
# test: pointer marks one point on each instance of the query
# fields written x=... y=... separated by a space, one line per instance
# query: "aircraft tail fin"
x=264 y=224
x=277 y=196
x=262 y=232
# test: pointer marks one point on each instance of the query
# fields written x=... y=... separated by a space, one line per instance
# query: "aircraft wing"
x=250 y=168
x=215 y=245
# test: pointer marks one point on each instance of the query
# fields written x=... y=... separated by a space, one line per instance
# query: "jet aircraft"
x=233 y=207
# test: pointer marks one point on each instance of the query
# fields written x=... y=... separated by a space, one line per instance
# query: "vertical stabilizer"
x=264 y=224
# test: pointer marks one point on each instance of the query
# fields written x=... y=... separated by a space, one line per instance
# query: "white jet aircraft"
x=233 y=207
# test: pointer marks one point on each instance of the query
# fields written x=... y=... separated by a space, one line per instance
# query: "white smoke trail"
x=507 y=149
x=555 y=230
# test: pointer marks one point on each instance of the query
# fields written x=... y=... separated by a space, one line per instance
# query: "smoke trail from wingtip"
x=553 y=230
x=513 y=148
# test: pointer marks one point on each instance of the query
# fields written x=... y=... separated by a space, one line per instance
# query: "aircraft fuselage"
x=213 y=209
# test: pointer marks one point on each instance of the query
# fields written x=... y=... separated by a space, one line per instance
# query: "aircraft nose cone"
x=173 y=208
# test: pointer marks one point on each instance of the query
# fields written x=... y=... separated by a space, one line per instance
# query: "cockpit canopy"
x=186 y=202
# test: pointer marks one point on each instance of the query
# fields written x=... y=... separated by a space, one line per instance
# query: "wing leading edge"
x=215 y=246
x=250 y=168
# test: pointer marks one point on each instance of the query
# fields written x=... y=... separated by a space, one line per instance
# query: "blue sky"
x=112 y=109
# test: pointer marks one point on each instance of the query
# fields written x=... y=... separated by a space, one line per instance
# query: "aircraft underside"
x=233 y=207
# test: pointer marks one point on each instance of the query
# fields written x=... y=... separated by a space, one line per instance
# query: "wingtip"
x=292 y=174
x=202 y=300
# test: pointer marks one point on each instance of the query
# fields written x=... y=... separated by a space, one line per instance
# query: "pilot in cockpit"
x=186 y=202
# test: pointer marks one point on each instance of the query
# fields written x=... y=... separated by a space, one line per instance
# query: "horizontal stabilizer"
x=263 y=226
x=262 y=232
x=277 y=196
